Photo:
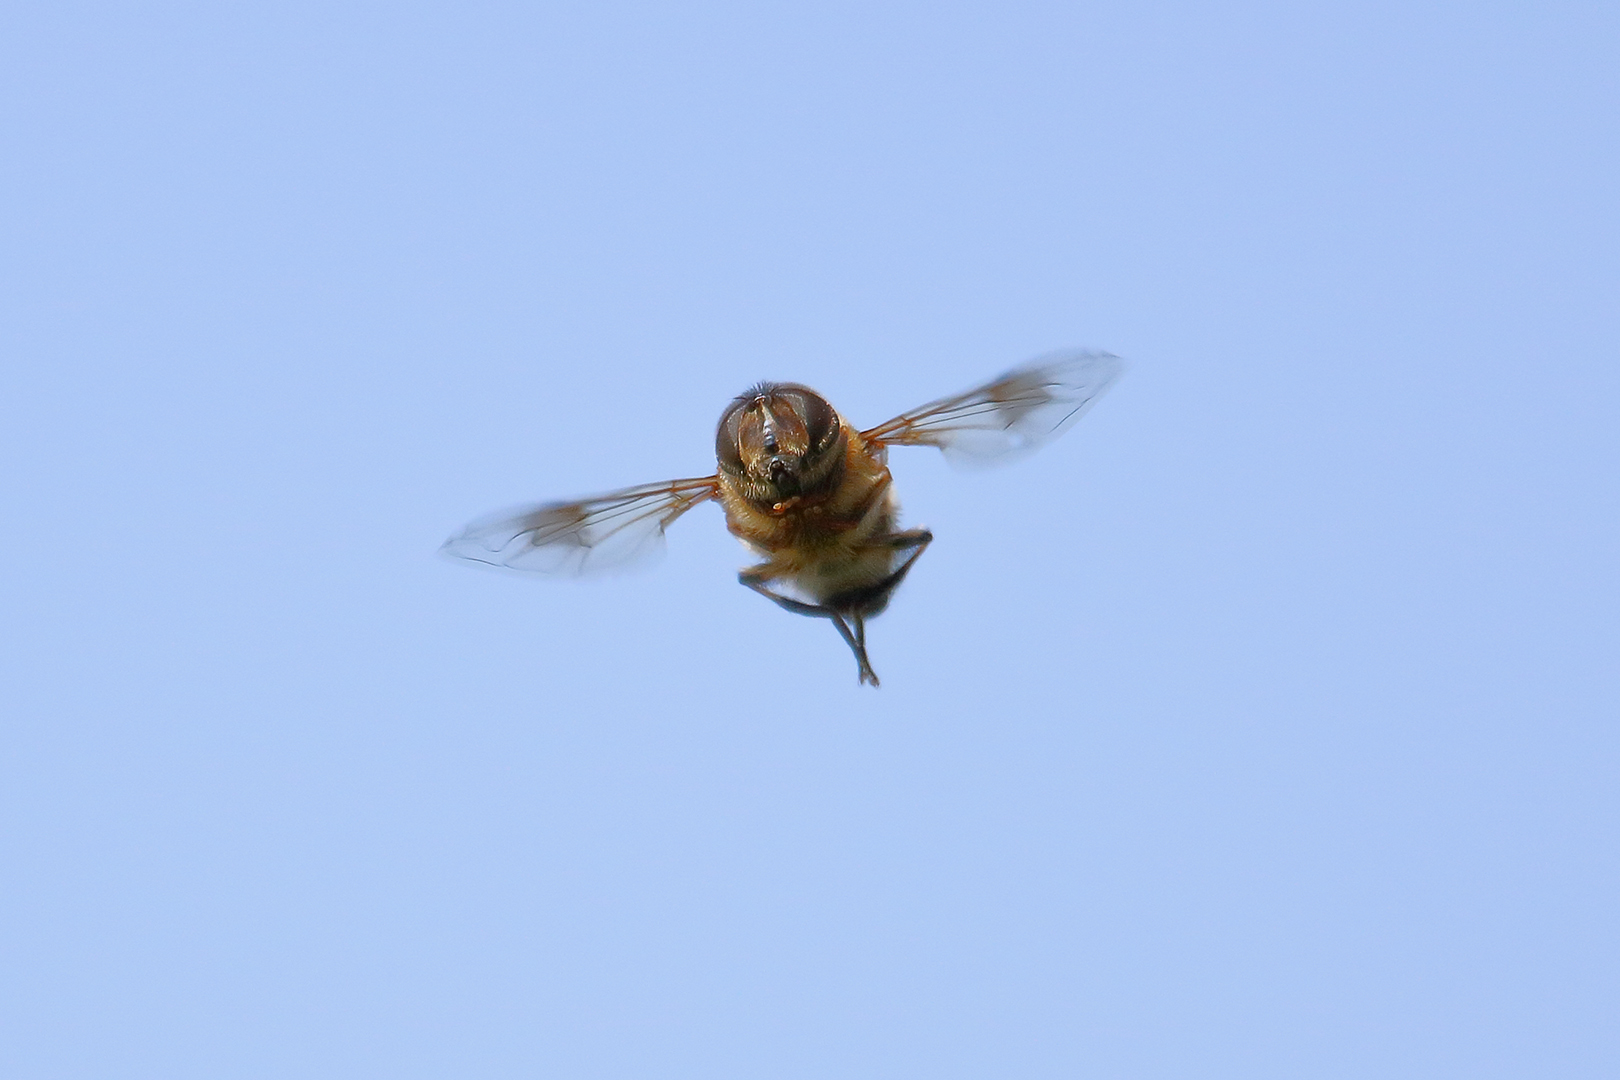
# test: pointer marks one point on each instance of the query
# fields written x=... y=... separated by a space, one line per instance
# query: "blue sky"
x=1263 y=726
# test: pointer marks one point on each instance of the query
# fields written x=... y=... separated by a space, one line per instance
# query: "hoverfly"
x=806 y=491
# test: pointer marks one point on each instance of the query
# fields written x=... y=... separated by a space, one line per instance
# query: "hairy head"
x=778 y=441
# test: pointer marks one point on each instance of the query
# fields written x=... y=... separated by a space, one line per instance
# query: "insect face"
x=778 y=442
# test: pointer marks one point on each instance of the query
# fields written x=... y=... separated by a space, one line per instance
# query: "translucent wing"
x=1010 y=416
x=583 y=536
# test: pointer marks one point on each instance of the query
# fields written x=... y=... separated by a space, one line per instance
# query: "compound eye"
x=820 y=421
x=728 y=437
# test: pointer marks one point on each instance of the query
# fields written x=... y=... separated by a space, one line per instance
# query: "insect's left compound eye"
x=728 y=437
x=819 y=420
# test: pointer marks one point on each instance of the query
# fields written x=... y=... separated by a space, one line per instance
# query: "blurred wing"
x=584 y=536
x=1013 y=415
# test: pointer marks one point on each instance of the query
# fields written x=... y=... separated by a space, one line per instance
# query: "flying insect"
x=806 y=491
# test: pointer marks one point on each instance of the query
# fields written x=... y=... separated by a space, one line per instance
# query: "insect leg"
x=755 y=578
x=871 y=599
x=857 y=645
x=916 y=539
x=902 y=541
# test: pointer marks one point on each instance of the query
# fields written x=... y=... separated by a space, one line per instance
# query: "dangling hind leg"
x=856 y=640
x=857 y=645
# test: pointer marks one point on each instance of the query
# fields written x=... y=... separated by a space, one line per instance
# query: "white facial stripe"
x=770 y=425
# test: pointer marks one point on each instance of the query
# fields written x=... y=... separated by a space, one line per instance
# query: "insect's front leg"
x=755 y=578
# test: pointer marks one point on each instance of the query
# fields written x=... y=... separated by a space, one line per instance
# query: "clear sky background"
x=1263 y=726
